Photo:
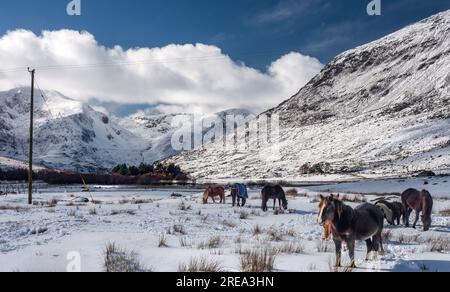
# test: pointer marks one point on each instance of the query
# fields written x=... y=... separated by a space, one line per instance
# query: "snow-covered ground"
x=39 y=238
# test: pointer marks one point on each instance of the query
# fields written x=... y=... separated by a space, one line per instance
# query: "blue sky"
x=256 y=32
x=245 y=29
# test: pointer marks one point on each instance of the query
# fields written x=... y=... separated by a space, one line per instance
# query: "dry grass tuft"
x=275 y=235
x=184 y=242
x=117 y=260
x=445 y=213
x=291 y=248
x=258 y=261
x=12 y=208
x=325 y=246
x=257 y=230
x=230 y=224
x=162 y=241
x=243 y=215
x=120 y=212
x=439 y=245
x=213 y=242
x=200 y=265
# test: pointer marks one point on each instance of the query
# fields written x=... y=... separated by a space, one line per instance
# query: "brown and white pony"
x=420 y=202
x=328 y=224
x=213 y=192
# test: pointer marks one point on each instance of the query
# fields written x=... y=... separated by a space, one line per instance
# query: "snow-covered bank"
x=39 y=238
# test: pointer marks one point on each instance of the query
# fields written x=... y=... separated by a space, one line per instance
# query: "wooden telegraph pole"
x=30 y=153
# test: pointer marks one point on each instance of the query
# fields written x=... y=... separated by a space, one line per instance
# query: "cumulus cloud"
x=190 y=77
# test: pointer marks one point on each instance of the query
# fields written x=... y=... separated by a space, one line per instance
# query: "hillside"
x=381 y=108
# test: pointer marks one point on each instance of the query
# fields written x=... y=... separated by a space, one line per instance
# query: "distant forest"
x=122 y=174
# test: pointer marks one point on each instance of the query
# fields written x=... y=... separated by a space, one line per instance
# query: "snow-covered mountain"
x=71 y=135
x=380 y=108
x=68 y=134
x=156 y=128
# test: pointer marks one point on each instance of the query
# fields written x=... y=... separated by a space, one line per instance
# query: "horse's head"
x=426 y=220
x=285 y=203
x=329 y=208
x=205 y=196
x=388 y=214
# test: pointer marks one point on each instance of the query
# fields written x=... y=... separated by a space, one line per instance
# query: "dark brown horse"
x=276 y=193
x=393 y=212
x=365 y=223
x=213 y=192
x=420 y=202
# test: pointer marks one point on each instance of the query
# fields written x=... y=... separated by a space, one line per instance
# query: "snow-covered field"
x=40 y=238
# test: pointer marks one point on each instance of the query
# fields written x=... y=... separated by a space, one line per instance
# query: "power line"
x=207 y=58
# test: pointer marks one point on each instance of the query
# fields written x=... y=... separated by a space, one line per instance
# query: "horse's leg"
x=378 y=244
x=407 y=214
x=417 y=219
x=244 y=200
x=214 y=199
x=351 y=252
x=264 y=205
x=234 y=200
x=370 y=248
x=274 y=204
x=239 y=201
x=279 y=202
x=338 y=245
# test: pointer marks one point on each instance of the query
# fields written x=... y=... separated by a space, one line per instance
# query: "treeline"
x=143 y=169
x=158 y=174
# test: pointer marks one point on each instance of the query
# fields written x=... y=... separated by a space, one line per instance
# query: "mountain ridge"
x=380 y=108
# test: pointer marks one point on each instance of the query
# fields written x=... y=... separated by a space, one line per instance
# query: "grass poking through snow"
x=118 y=260
x=200 y=265
x=258 y=261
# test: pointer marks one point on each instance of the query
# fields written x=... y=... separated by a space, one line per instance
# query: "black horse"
x=276 y=193
x=348 y=225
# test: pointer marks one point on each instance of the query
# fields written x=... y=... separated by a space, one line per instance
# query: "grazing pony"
x=213 y=192
x=393 y=212
x=348 y=225
x=275 y=193
x=239 y=191
x=414 y=200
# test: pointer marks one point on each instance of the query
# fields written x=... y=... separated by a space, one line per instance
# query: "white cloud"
x=191 y=77
x=285 y=10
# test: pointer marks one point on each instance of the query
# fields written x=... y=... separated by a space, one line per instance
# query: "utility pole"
x=30 y=153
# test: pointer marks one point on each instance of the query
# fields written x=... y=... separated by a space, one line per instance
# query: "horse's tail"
x=427 y=203
x=205 y=196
